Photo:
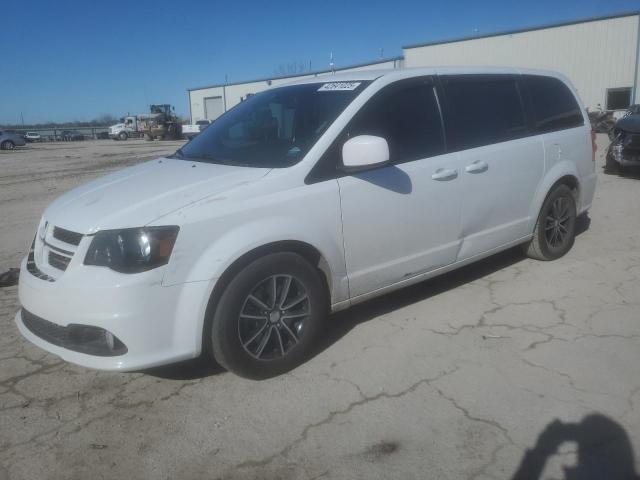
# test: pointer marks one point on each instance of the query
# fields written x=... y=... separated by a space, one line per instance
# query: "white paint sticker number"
x=337 y=86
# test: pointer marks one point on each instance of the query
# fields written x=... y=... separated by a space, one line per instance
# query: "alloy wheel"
x=272 y=317
x=558 y=223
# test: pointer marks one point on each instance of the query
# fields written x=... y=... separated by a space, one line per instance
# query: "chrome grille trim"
x=33 y=269
x=58 y=249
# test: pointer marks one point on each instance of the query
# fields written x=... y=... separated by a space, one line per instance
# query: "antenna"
x=382 y=53
x=331 y=64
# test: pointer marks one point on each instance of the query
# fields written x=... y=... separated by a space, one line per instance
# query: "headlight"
x=132 y=250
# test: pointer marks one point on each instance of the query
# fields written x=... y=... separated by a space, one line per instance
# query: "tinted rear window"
x=483 y=109
x=554 y=106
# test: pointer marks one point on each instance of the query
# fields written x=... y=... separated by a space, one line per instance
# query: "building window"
x=618 y=98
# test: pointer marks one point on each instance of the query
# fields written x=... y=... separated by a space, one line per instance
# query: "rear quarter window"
x=553 y=105
x=482 y=110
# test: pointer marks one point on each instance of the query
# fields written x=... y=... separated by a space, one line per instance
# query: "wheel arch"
x=563 y=173
x=304 y=249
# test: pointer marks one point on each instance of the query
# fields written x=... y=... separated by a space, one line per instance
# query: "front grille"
x=33 y=269
x=58 y=261
x=79 y=338
x=67 y=236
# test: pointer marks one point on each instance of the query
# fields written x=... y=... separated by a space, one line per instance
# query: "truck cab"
x=127 y=127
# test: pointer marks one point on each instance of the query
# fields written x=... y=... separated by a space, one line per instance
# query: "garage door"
x=213 y=107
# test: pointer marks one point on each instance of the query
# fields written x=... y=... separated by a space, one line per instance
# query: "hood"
x=629 y=124
x=137 y=195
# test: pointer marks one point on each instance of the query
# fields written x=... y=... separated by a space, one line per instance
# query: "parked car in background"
x=304 y=199
x=32 y=137
x=602 y=121
x=10 y=140
x=624 y=150
x=193 y=130
x=71 y=136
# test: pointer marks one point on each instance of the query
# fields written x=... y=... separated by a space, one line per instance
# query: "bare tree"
x=291 y=68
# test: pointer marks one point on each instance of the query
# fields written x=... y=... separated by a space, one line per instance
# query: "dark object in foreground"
x=604 y=450
x=10 y=277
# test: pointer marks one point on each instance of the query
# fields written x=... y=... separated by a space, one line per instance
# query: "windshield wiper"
x=178 y=154
x=209 y=159
x=212 y=159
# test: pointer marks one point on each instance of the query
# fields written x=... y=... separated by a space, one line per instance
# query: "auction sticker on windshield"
x=333 y=86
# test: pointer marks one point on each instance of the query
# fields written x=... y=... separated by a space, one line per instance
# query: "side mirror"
x=364 y=152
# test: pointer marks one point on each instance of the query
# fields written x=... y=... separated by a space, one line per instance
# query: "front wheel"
x=123 y=136
x=7 y=145
x=555 y=230
x=269 y=316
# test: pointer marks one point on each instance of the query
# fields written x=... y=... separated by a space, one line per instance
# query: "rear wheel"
x=148 y=137
x=269 y=316
x=554 y=234
x=7 y=145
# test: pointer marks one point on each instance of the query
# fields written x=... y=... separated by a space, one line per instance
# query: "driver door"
x=403 y=219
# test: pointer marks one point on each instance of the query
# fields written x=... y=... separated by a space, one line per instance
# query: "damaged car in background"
x=624 y=150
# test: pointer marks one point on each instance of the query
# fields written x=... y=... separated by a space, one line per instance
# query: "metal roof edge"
x=304 y=74
x=522 y=30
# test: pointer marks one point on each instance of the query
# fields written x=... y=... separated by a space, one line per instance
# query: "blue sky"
x=63 y=60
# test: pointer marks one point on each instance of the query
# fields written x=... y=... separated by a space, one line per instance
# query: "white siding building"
x=599 y=55
x=210 y=102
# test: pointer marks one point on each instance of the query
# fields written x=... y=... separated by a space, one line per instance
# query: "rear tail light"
x=594 y=147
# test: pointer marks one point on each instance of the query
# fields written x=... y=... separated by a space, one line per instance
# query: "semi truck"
x=127 y=128
x=160 y=123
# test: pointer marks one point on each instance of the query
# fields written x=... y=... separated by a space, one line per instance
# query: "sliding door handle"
x=444 y=174
x=477 y=167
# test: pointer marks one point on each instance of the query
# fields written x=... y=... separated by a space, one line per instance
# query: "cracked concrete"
x=455 y=378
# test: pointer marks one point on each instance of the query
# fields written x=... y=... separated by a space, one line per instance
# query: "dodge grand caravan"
x=302 y=200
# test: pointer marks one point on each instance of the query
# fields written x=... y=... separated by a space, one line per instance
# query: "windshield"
x=275 y=128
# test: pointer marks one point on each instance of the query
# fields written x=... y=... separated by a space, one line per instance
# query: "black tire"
x=555 y=229
x=8 y=145
x=171 y=133
x=236 y=338
x=148 y=137
x=611 y=166
x=123 y=136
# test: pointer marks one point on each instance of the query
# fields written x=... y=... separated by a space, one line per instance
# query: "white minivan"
x=302 y=200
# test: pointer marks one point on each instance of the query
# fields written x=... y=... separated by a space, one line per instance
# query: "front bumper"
x=157 y=324
x=625 y=149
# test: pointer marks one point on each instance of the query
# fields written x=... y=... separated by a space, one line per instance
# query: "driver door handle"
x=477 y=167
x=443 y=174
